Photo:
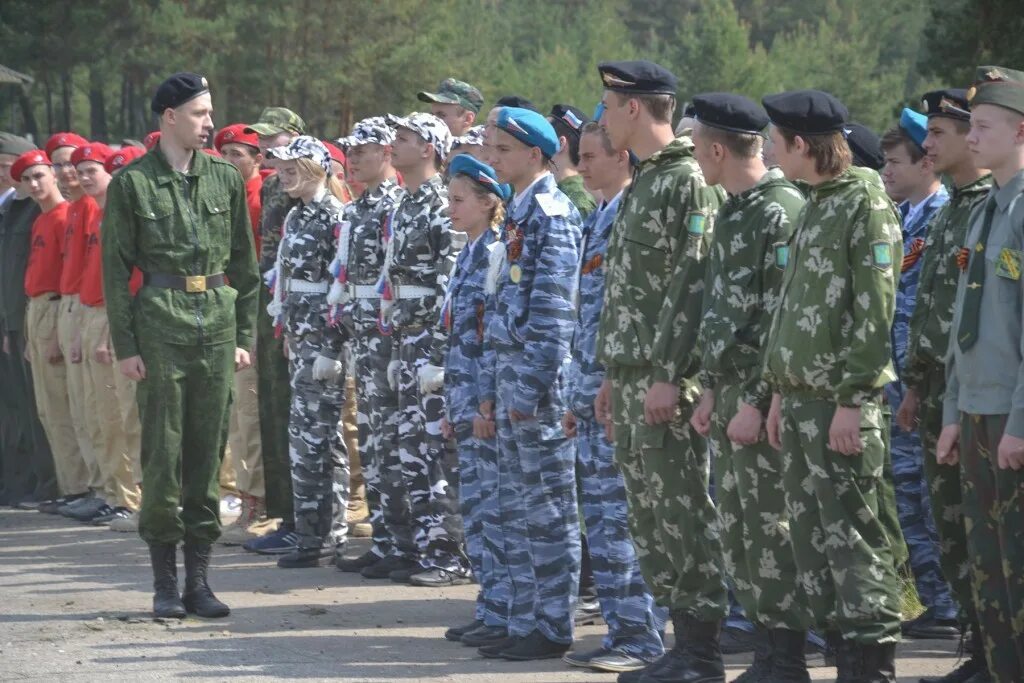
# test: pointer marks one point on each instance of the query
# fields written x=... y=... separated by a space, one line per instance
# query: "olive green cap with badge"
x=277 y=120
x=452 y=91
x=999 y=86
x=14 y=145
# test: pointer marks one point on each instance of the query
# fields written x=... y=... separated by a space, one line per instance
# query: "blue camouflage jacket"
x=587 y=372
x=915 y=232
x=533 y=290
x=464 y=315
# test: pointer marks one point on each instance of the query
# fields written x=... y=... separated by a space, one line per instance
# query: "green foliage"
x=97 y=63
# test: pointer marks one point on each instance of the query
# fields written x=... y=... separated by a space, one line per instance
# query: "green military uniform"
x=657 y=262
x=925 y=373
x=739 y=300
x=170 y=224
x=985 y=386
x=829 y=346
x=572 y=187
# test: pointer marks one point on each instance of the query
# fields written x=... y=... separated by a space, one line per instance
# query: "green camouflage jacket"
x=574 y=189
x=831 y=334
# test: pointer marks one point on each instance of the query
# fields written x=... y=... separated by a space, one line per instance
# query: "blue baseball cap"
x=530 y=128
x=914 y=125
x=480 y=173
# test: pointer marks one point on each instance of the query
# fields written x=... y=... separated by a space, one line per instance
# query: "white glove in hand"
x=431 y=378
x=394 y=370
x=327 y=369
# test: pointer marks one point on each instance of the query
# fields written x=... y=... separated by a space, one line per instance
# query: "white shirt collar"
x=518 y=199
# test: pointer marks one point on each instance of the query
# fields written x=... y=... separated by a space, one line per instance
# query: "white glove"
x=431 y=378
x=327 y=369
x=394 y=370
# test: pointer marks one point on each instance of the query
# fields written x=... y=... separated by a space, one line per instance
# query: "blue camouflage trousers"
x=537 y=505
x=378 y=418
x=434 y=518
x=914 y=508
x=319 y=459
x=627 y=605
x=481 y=518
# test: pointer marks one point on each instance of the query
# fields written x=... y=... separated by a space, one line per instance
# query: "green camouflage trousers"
x=944 y=489
x=993 y=504
x=756 y=544
x=888 y=514
x=674 y=524
x=844 y=558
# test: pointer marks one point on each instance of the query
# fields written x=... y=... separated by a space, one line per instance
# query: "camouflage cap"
x=304 y=147
x=374 y=130
x=451 y=91
x=427 y=126
x=474 y=137
x=277 y=120
x=999 y=86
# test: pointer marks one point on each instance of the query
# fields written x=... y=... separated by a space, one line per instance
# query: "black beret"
x=516 y=101
x=177 y=90
x=689 y=111
x=950 y=103
x=807 y=112
x=568 y=120
x=637 y=77
x=865 y=145
x=730 y=112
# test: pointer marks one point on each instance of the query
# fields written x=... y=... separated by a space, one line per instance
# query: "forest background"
x=95 y=63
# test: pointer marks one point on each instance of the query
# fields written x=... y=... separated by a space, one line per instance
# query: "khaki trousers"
x=50 y=381
x=69 y=326
x=242 y=470
x=103 y=418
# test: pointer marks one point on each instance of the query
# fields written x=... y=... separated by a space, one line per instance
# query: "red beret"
x=151 y=139
x=235 y=134
x=122 y=157
x=94 y=151
x=27 y=160
x=336 y=152
x=58 y=140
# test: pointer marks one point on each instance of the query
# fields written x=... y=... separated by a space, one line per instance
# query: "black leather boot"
x=696 y=657
x=198 y=597
x=166 y=601
x=867 y=662
x=789 y=662
x=763 y=654
x=974 y=668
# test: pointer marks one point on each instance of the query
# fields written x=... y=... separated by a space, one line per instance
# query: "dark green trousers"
x=183 y=407
x=275 y=398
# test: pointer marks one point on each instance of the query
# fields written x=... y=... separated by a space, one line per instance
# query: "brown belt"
x=192 y=284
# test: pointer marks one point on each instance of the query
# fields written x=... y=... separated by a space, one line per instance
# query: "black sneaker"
x=381 y=569
x=455 y=633
x=52 y=507
x=485 y=635
x=582 y=659
x=405 y=574
x=280 y=542
x=587 y=612
x=927 y=627
x=116 y=513
x=103 y=511
x=303 y=558
x=356 y=564
x=494 y=651
x=439 y=578
x=735 y=640
x=617 y=661
x=535 y=646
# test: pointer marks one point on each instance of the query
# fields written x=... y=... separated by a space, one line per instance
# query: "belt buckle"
x=195 y=284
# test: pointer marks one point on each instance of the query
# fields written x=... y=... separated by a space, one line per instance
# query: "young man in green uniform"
x=983 y=409
x=828 y=356
x=925 y=372
x=180 y=217
x=657 y=262
x=568 y=122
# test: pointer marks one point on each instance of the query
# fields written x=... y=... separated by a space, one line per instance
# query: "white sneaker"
x=127 y=524
x=230 y=506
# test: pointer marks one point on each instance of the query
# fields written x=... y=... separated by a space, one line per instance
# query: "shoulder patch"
x=781 y=255
x=695 y=223
x=881 y=255
x=550 y=205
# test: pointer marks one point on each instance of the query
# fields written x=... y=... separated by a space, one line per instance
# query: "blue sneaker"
x=281 y=542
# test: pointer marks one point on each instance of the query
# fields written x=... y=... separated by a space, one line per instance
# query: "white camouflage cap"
x=474 y=137
x=304 y=147
x=373 y=130
x=427 y=126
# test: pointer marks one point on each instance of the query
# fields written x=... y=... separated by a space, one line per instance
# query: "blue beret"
x=865 y=145
x=806 y=112
x=730 y=112
x=637 y=77
x=178 y=89
x=914 y=125
x=530 y=128
x=950 y=103
x=480 y=173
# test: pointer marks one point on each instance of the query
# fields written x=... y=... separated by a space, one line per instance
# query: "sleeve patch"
x=695 y=223
x=881 y=255
x=550 y=205
x=781 y=255
x=1009 y=264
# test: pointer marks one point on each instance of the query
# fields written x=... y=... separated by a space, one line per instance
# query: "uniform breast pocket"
x=215 y=215
x=155 y=220
x=647 y=270
x=1006 y=260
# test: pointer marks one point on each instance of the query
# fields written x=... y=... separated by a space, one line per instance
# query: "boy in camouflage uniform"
x=925 y=371
x=568 y=122
x=742 y=294
x=355 y=302
x=419 y=253
x=829 y=355
x=657 y=262
x=983 y=416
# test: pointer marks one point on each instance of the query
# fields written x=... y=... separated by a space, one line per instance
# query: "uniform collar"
x=521 y=200
x=978 y=186
x=165 y=174
x=1009 y=192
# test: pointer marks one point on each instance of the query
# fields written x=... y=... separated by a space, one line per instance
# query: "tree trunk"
x=65 y=95
x=28 y=116
x=97 y=105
